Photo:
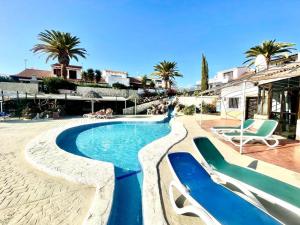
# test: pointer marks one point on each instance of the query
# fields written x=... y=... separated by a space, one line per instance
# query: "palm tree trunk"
x=268 y=60
x=63 y=71
x=166 y=84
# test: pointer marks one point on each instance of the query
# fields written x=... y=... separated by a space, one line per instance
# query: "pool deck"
x=57 y=187
x=286 y=154
x=31 y=196
x=264 y=163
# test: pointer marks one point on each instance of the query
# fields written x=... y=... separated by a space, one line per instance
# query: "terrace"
x=280 y=163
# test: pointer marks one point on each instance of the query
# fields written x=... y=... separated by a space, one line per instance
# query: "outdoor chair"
x=226 y=129
x=246 y=179
x=4 y=116
x=211 y=201
x=108 y=113
x=264 y=134
x=101 y=114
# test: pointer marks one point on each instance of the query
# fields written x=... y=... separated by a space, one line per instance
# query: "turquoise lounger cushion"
x=278 y=189
x=224 y=205
x=264 y=130
x=247 y=124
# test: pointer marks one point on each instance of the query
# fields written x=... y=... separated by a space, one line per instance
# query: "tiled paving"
x=286 y=154
x=29 y=196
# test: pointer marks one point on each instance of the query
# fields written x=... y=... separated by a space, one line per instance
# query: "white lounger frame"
x=2 y=118
x=243 y=186
x=194 y=206
x=220 y=132
x=246 y=139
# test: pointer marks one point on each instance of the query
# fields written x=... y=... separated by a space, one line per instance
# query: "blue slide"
x=225 y=206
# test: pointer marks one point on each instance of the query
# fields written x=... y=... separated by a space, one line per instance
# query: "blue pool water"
x=118 y=143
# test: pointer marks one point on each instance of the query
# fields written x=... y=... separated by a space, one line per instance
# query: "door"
x=251 y=107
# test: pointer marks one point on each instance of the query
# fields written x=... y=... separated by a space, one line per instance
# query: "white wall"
x=78 y=73
x=298 y=130
x=115 y=79
x=197 y=100
x=220 y=79
x=112 y=77
x=235 y=92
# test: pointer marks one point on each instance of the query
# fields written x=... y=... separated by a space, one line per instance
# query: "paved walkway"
x=28 y=196
x=286 y=154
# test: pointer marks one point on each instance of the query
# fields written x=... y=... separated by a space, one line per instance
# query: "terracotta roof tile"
x=34 y=72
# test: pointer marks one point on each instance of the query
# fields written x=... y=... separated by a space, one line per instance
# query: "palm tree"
x=98 y=76
x=270 y=49
x=84 y=76
x=61 y=46
x=167 y=71
x=90 y=75
x=144 y=81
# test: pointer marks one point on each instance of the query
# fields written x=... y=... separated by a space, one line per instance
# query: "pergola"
x=283 y=78
x=16 y=95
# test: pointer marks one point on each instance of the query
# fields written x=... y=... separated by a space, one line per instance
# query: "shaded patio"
x=286 y=154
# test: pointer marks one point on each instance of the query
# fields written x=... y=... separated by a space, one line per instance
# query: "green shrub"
x=180 y=107
x=189 y=110
x=119 y=86
x=53 y=84
x=208 y=108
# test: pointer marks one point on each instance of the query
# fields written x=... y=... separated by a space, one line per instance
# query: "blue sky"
x=134 y=35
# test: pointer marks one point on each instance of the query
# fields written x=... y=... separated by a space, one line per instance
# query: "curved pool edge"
x=149 y=157
x=43 y=153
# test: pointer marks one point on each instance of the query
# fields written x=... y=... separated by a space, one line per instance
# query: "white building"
x=225 y=76
x=111 y=77
x=159 y=83
x=231 y=101
x=73 y=72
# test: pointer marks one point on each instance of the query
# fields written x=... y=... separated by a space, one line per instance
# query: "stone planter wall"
x=107 y=91
x=31 y=88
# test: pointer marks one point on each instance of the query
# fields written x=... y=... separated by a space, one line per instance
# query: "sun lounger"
x=247 y=179
x=89 y=115
x=264 y=134
x=212 y=202
x=108 y=113
x=4 y=116
x=101 y=114
x=222 y=129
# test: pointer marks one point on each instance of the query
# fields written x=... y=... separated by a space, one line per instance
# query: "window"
x=72 y=74
x=57 y=72
x=228 y=75
x=233 y=103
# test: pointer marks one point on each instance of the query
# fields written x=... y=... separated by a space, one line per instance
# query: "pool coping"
x=149 y=157
x=43 y=153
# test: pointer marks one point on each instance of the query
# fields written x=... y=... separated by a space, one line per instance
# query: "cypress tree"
x=204 y=74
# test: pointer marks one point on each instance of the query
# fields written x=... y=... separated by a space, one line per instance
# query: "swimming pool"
x=118 y=143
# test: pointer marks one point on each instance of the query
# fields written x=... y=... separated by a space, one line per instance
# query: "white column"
x=201 y=109
x=92 y=106
x=242 y=116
